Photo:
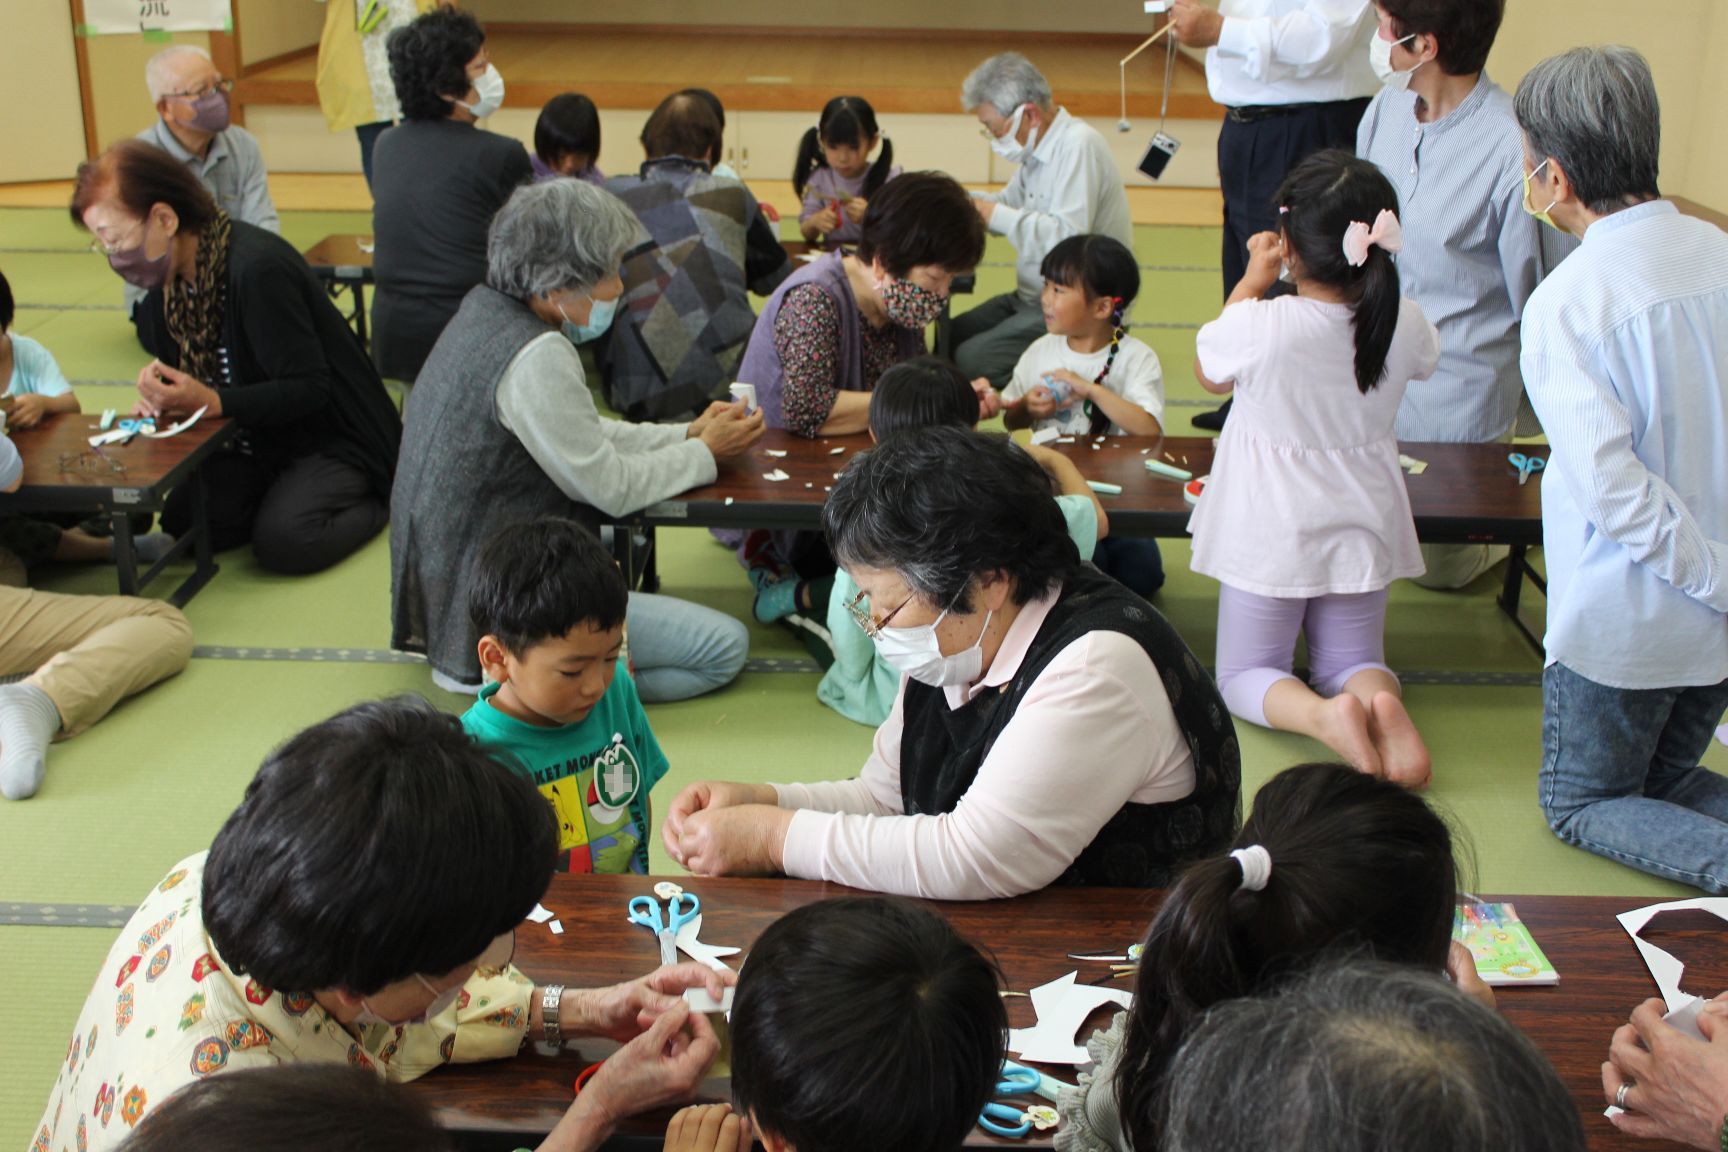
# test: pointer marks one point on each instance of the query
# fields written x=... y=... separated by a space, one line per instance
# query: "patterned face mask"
x=911 y=306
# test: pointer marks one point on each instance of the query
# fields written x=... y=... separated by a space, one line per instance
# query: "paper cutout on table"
x=1412 y=465
x=177 y=428
x=1062 y=1006
x=1045 y=435
x=776 y=475
x=541 y=914
x=809 y=484
x=729 y=501
x=835 y=451
x=777 y=453
x=1664 y=968
x=698 y=951
x=557 y=928
x=1501 y=944
x=1064 y=439
x=366 y=246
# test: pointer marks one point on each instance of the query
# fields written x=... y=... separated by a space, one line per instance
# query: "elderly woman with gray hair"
x=502 y=429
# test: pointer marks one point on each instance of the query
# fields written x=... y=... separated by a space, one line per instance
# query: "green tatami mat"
x=36 y=1019
x=39 y=229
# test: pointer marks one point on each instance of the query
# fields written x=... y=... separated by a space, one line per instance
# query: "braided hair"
x=1102 y=268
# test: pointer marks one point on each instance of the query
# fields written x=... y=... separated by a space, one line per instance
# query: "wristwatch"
x=551 y=1031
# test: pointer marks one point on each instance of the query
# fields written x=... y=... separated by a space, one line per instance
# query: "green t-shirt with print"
x=596 y=774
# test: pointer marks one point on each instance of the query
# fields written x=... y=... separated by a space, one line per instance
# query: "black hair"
x=290 y=1108
x=942 y=506
x=922 y=218
x=537 y=580
x=1464 y=28
x=1359 y=1056
x=141 y=176
x=863 y=1023
x=1103 y=268
x=568 y=124
x=379 y=844
x=1320 y=199
x=8 y=308
x=429 y=61
x=682 y=125
x=1358 y=863
x=712 y=101
x=919 y=393
x=849 y=122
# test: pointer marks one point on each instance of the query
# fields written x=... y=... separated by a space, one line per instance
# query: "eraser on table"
x=1104 y=489
x=1160 y=468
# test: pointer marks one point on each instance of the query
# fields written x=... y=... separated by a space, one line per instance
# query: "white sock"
x=152 y=546
x=453 y=685
x=28 y=722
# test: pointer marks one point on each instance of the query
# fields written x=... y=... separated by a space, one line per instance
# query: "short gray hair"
x=1005 y=81
x=157 y=71
x=1358 y=1056
x=1594 y=112
x=558 y=236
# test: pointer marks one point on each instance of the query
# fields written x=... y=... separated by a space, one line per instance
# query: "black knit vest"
x=1143 y=845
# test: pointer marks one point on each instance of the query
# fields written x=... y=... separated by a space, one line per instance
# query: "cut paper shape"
x=776 y=475
x=1412 y=465
x=729 y=501
x=808 y=484
x=774 y=452
x=176 y=429
x=836 y=451
x=698 y=951
x=1064 y=439
x=1045 y=436
x=557 y=928
x=700 y=1001
x=1683 y=1007
x=541 y=914
x=1062 y=1006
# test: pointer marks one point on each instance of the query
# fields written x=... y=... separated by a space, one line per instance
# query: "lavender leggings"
x=1257 y=643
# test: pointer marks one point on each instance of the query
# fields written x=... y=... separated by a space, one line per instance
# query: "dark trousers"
x=368 y=134
x=1133 y=562
x=1254 y=159
x=299 y=518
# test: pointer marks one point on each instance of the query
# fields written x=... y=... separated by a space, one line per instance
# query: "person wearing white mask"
x=437 y=181
x=1067 y=184
x=1294 y=79
x=1444 y=134
x=1051 y=726
x=194 y=126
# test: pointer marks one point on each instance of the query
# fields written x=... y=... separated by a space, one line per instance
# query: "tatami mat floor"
x=153 y=782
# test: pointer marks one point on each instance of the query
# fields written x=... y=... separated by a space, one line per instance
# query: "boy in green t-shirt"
x=549 y=603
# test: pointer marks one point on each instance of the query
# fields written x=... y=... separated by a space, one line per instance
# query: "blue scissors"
x=645 y=910
x=1526 y=465
x=1008 y=1119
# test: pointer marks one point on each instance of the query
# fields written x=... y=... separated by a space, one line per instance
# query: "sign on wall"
x=110 y=17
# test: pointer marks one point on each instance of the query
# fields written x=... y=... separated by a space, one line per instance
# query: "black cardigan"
x=298 y=380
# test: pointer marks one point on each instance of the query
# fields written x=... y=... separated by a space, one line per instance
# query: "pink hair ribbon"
x=1358 y=238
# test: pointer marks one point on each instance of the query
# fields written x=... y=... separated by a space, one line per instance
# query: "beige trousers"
x=89 y=652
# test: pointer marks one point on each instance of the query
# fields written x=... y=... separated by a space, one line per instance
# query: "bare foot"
x=1402 y=754
x=1342 y=726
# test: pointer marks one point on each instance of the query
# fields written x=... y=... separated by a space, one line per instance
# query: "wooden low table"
x=344 y=265
x=513 y=1103
x=1468 y=494
x=62 y=473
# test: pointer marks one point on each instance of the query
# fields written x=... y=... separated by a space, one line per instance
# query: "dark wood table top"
x=340 y=257
x=1468 y=492
x=151 y=466
x=1602 y=978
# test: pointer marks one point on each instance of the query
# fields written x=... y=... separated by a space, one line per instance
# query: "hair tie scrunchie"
x=1256 y=864
x=1387 y=234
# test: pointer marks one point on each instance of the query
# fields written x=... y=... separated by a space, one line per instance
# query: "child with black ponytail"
x=1087 y=376
x=1331 y=863
x=1306 y=520
x=834 y=176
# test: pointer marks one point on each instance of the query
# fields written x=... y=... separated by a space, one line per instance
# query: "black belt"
x=1249 y=113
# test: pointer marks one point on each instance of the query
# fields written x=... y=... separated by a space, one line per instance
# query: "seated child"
x=1088 y=377
x=859 y=1024
x=1331 y=862
x=548 y=603
x=35 y=385
x=833 y=176
x=567 y=140
x=919 y=393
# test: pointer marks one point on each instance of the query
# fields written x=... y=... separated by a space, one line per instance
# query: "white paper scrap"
x=836 y=451
x=1664 y=968
x=729 y=501
x=700 y=952
x=1062 y=1006
x=1045 y=435
x=557 y=928
x=777 y=453
x=776 y=475
x=700 y=1001
x=541 y=914
x=1064 y=439
x=180 y=427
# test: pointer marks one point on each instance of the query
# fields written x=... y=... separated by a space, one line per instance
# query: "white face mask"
x=917 y=653
x=1011 y=149
x=1380 y=56
x=489 y=86
x=440 y=1004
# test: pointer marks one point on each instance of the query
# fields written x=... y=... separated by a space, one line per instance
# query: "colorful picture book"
x=1502 y=946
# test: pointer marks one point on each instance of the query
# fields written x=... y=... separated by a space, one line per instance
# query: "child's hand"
x=823 y=222
x=1461 y=968
x=708 y=1128
x=989 y=400
x=1079 y=388
x=769 y=211
x=1040 y=402
x=1265 y=257
x=855 y=209
x=664 y=1065
x=28 y=410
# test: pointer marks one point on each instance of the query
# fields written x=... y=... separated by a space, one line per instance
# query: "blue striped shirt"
x=1471 y=256
x=1626 y=359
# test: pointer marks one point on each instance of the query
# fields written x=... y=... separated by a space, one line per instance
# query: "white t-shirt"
x=1135 y=376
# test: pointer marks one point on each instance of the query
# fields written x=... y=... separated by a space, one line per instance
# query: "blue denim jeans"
x=1621 y=778
x=679 y=649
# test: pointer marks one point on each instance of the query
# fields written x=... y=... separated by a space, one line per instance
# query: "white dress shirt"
x=1068 y=186
x=1626 y=361
x=1292 y=52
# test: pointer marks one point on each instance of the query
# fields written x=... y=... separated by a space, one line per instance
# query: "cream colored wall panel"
x=271 y=28
x=1195 y=164
x=121 y=100
x=36 y=57
x=947 y=143
x=295 y=138
x=1115 y=16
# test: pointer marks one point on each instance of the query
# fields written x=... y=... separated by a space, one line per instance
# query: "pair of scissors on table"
x=680 y=910
x=1526 y=465
x=1014 y=1119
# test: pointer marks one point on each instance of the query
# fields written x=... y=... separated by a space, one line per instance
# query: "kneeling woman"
x=1051 y=726
x=247 y=332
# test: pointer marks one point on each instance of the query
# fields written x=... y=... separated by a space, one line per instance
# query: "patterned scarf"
x=195 y=310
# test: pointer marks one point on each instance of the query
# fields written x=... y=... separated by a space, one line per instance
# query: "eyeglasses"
x=221 y=85
x=861 y=615
x=106 y=248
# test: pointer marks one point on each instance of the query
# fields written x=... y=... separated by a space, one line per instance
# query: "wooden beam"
x=225 y=54
x=81 y=53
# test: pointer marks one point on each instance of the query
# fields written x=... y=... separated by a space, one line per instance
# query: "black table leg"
x=204 y=565
x=125 y=559
x=1517 y=567
x=359 y=289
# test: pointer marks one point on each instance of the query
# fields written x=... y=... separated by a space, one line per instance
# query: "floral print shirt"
x=807 y=337
x=166 y=1010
